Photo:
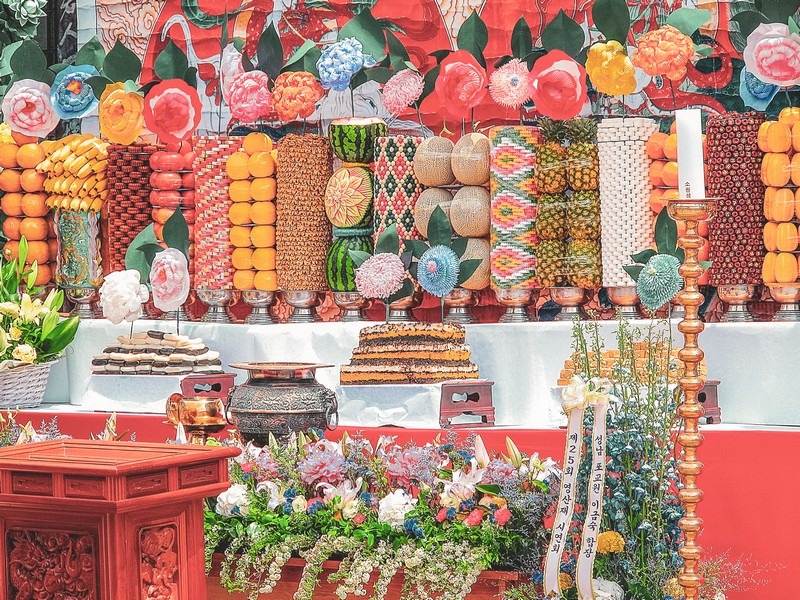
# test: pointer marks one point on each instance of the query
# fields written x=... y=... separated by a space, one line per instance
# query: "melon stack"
x=24 y=206
x=349 y=196
x=456 y=177
x=780 y=172
x=253 y=213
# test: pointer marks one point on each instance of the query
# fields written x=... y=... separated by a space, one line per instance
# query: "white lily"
x=481 y=454
x=30 y=309
x=514 y=455
x=276 y=497
x=384 y=442
x=462 y=487
x=343 y=496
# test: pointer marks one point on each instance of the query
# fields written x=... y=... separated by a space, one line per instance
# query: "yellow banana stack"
x=76 y=173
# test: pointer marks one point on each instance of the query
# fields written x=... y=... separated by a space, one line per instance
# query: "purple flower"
x=321 y=465
x=498 y=471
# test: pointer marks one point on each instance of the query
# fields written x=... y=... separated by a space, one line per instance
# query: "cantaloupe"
x=470 y=211
x=432 y=162
x=470 y=159
x=478 y=248
x=426 y=203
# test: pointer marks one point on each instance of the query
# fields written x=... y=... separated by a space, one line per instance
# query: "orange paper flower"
x=121 y=114
x=664 y=52
x=295 y=95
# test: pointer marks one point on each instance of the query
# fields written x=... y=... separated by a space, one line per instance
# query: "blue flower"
x=71 y=96
x=290 y=494
x=537 y=578
x=466 y=505
x=465 y=455
x=313 y=507
x=451 y=514
x=366 y=498
x=437 y=271
x=340 y=61
x=412 y=528
x=287 y=508
x=317 y=431
x=659 y=281
x=756 y=93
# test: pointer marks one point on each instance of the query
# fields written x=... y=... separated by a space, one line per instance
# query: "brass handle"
x=331 y=411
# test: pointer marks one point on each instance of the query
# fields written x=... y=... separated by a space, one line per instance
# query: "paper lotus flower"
x=121 y=118
x=296 y=94
x=121 y=296
x=437 y=272
x=508 y=85
x=664 y=52
x=558 y=86
x=380 y=275
x=172 y=110
x=402 y=90
x=610 y=70
x=773 y=54
x=27 y=11
x=71 y=96
x=230 y=67
x=250 y=98
x=461 y=85
x=27 y=108
x=659 y=281
x=169 y=279
x=340 y=61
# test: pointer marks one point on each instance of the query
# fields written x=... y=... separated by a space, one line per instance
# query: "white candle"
x=691 y=165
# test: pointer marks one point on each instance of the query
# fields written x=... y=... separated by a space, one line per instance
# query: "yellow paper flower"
x=664 y=52
x=121 y=118
x=610 y=542
x=565 y=581
x=5 y=134
x=610 y=70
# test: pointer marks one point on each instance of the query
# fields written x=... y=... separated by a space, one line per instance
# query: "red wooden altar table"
x=92 y=520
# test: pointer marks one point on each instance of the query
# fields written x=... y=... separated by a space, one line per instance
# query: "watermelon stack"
x=349 y=196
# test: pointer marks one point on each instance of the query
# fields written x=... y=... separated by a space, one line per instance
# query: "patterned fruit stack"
x=514 y=200
x=24 y=205
x=626 y=221
x=396 y=187
x=127 y=210
x=349 y=195
x=780 y=171
x=253 y=213
x=213 y=248
x=172 y=184
x=734 y=177
x=303 y=230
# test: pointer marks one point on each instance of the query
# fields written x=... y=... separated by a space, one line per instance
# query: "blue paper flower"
x=412 y=528
x=756 y=93
x=71 y=96
x=659 y=281
x=437 y=271
x=340 y=61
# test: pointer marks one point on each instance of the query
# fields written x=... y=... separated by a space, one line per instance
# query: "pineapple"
x=551 y=172
x=583 y=260
x=550 y=258
x=583 y=215
x=583 y=162
x=551 y=217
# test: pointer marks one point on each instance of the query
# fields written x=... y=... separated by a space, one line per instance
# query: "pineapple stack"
x=550 y=177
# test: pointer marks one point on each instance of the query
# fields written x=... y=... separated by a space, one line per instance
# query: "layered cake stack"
x=419 y=353
x=156 y=353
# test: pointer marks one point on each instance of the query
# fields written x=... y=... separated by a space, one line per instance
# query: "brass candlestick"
x=692 y=211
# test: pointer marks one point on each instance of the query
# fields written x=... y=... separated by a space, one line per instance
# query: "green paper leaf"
x=405 y=258
x=459 y=246
x=612 y=18
x=58 y=67
x=270 y=52
x=793 y=27
x=439 y=230
x=412 y=269
x=121 y=64
x=748 y=21
x=98 y=85
x=358 y=79
x=238 y=43
x=666 y=233
x=247 y=64
x=136 y=257
x=359 y=257
x=643 y=256
x=417 y=247
x=468 y=268
x=633 y=271
x=563 y=33
x=379 y=74
x=131 y=87
x=48 y=77
x=406 y=290
x=171 y=62
x=503 y=60
x=190 y=76
x=485 y=488
x=430 y=84
x=473 y=36
x=778 y=11
x=688 y=20
x=389 y=241
x=304 y=59
x=368 y=31
x=535 y=55
x=521 y=39
x=176 y=233
x=398 y=55
x=440 y=55
x=28 y=61
x=5 y=59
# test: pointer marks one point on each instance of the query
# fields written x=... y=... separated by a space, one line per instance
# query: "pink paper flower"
x=380 y=276
x=172 y=110
x=441 y=516
x=28 y=110
x=250 y=98
x=461 y=85
x=772 y=54
x=322 y=466
x=558 y=86
x=502 y=516
x=267 y=466
x=508 y=85
x=474 y=518
x=169 y=279
x=402 y=90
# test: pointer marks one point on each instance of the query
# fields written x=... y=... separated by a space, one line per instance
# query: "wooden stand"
x=466 y=397
x=92 y=520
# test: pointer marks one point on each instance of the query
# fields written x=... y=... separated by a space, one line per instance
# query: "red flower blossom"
x=172 y=110
x=461 y=85
x=359 y=519
x=502 y=516
x=474 y=518
x=441 y=516
x=558 y=86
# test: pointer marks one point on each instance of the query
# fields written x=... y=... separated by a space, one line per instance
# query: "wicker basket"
x=23 y=387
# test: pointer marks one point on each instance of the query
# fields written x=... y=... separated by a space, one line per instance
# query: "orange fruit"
x=11 y=228
x=11 y=204
x=671 y=146
x=9 y=181
x=242 y=259
x=656 y=170
x=264 y=259
x=239 y=191
x=39 y=252
x=263 y=236
x=670 y=194
x=52 y=244
x=29 y=156
x=257 y=142
x=263 y=188
x=8 y=155
x=34 y=205
x=31 y=181
x=240 y=236
x=674 y=127
x=21 y=138
x=51 y=228
x=669 y=174
x=263 y=213
x=655 y=145
x=274 y=155
x=11 y=249
x=243 y=280
x=657 y=201
x=261 y=164
x=33 y=228
x=43 y=274
x=239 y=213
x=236 y=165
x=266 y=281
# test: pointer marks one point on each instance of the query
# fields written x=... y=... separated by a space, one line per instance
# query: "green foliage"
x=521 y=39
x=304 y=59
x=270 y=52
x=612 y=18
x=28 y=61
x=563 y=33
x=91 y=53
x=171 y=62
x=473 y=36
x=688 y=20
x=121 y=64
x=367 y=30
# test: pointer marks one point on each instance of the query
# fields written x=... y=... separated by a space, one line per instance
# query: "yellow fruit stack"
x=75 y=171
x=253 y=213
x=24 y=205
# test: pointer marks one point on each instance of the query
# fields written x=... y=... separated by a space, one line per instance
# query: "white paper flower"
x=233 y=501
x=606 y=590
x=394 y=507
x=122 y=295
x=299 y=504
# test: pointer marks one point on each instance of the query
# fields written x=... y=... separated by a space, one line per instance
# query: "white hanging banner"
x=691 y=171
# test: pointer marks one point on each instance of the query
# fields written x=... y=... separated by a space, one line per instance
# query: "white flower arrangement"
x=122 y=295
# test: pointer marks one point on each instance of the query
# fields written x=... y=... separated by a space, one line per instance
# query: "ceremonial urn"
x=280 y=398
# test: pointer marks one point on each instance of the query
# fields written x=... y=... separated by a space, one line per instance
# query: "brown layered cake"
x=409 y=353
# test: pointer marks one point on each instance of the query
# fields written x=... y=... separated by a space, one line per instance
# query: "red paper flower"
x=250 y=98
x=474 y=518
x=558 y=86
x=461 y=85
x=502 y=516
x=172 y=110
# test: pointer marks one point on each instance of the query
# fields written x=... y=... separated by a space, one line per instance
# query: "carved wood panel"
x=158 y=556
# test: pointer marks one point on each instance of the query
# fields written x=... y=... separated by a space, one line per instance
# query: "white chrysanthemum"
x=122 y=295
